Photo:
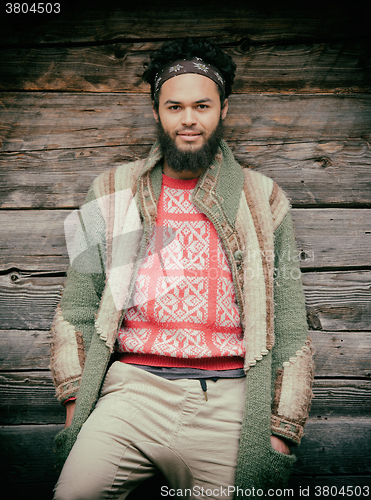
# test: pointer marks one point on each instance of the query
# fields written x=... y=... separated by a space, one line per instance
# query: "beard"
x=192 y=161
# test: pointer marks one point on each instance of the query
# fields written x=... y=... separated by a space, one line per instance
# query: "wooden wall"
x=72 y=105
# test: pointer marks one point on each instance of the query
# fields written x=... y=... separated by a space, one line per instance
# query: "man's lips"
x=189 y=136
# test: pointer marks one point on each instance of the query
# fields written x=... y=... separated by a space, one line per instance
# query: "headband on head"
x=183 y=66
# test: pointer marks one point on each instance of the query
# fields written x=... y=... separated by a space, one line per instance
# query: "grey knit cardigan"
x=251 y=215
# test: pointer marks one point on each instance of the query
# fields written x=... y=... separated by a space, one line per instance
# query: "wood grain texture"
x=38 y=121
x=319 y=67
x=336 y=301
x=337 y=354
x=60 y=178
x=341 y=446
x=342 y=354
x=326 y=238
x=72 y=105
x=29 y=398
x=333 y=237
x=24 y=350
x=87 y=23
x=29 y=303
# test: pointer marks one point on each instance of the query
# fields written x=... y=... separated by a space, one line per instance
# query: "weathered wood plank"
x=336 y=301
x=160 y=19
x=30 y=456
x=37 y=121
x=341 y=398
x=24 y=350
x=326 y=238
x=319 y=67
x=61 y=178
x=330 y=448
x=333 y=237
x=29 y=302
x=305 y=170
x=335 y=446
x=29 y=398
x=338 y=354
x=33 y=240
x=58 y=178
x=342 y=354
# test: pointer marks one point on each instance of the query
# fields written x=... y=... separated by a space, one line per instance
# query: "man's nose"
x=188 y=117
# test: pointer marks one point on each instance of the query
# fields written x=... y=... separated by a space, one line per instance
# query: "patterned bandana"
x=184 y=66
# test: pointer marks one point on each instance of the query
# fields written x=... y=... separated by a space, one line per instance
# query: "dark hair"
x=187 y=48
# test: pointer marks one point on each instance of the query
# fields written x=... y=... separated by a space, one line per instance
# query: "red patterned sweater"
x=184 y=311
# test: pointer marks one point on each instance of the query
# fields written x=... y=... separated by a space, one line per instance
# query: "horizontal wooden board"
x=31 y=235
x=333 y=237
x=29 y=398
x=320 y=67
x=29 y=302
x=341 y=398
x=328 y=238
x=335 y=446
x=37 y=121
x=338 y=301
x=60 y=178
x=342 y=354
x=337 y=354
x=163 y=19
x=24 y=350
x=30 y=455
x=330 y=448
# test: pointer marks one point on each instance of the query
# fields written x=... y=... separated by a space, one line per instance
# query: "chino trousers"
x=143 y=424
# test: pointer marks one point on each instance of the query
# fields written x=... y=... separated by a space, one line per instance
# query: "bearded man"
x=180 y=344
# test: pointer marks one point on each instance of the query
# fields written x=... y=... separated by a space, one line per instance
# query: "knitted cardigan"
x=251 y=216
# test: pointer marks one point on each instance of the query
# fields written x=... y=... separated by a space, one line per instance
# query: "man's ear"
x=224 y=109
x=155 y=113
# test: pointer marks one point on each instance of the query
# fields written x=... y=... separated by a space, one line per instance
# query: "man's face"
x=189 y=117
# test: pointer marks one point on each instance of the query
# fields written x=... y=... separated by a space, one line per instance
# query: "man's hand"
x=70 y=410
x=280 y=445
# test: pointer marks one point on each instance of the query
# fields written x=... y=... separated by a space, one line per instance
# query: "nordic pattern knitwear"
x=185 y=312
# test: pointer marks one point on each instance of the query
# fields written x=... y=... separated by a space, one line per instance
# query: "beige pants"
x=143 y=423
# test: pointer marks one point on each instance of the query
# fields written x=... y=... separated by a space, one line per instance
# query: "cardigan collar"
x=217 y=193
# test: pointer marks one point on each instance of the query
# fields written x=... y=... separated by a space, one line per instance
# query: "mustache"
x=188 y=129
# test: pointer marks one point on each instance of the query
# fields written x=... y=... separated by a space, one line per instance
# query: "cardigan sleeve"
x=292 y=363
x=73 y=324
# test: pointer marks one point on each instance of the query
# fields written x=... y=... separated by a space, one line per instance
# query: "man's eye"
x=175 y=107
x=203 y=106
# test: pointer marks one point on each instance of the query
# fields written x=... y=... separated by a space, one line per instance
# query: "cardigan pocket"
x=280 y=467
